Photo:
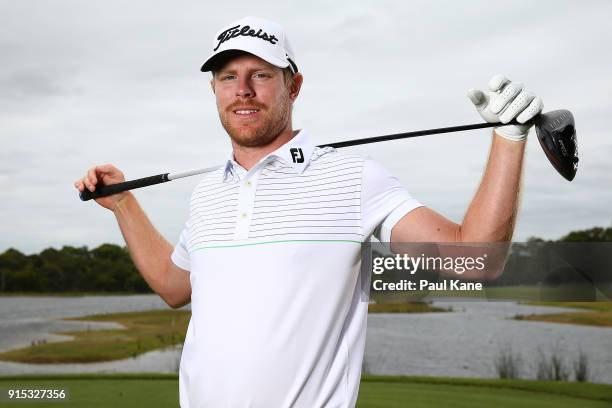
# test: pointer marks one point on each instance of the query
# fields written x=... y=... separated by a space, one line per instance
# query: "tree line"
x=575 y=258
x=109 y=268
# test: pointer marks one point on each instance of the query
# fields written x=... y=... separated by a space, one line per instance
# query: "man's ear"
x=294 y=91
x=212 y=84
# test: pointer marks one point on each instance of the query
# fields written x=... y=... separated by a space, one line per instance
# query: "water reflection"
x=462 y=343
x=467 y=341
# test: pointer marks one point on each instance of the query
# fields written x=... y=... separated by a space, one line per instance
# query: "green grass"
x=144 y=331
x=404 y=307
x=597 y=314
x=594 y=306
x=72 y=294
x=459 y=391
x=98 y=391
x=516 y=292
x=400 y=395
x=491 y=292
x=158 y=390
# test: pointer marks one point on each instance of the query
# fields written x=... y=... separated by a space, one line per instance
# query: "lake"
x=461 y=343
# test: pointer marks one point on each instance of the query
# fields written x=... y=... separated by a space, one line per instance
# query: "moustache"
x=241 y=106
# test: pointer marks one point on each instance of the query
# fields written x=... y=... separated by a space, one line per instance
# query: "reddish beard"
x=263 y=130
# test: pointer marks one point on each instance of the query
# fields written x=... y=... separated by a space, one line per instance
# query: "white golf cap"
x=262 y=38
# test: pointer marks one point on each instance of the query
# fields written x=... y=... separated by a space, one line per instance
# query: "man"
x=270 y=254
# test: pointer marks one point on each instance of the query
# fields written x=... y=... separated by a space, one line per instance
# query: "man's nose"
x=245 y=89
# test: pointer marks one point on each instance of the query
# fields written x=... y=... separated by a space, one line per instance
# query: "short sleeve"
x=384 y=201
x=180 y=256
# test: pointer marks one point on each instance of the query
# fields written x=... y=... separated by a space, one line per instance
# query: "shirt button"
x=247 y=183
x=244 y=215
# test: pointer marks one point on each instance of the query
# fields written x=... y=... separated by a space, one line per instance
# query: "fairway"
x=401 y=395
x=119 y=391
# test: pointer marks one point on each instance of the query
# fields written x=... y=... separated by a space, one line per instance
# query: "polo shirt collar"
x=296 y=153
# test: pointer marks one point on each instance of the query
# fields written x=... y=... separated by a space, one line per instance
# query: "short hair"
x=289 y=77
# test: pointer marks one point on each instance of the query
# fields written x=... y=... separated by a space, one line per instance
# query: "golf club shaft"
x=406 y=135
x=103 y=191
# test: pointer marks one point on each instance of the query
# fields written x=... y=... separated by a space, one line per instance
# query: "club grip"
x=103 y=191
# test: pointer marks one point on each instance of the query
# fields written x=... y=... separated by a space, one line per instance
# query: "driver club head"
x=557 y=135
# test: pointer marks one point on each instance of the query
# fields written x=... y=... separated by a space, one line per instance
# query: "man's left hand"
x=505 y=101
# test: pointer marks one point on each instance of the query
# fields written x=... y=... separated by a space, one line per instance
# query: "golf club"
x=556 y=132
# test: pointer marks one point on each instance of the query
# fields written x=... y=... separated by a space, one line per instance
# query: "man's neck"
x=248 y=157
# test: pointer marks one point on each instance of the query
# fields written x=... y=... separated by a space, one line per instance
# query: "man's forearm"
x=150 y=251
x=492 y=214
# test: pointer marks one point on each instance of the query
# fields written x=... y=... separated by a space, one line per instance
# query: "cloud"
x=84 y=83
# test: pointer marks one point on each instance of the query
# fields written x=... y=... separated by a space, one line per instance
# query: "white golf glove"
x=506 y=101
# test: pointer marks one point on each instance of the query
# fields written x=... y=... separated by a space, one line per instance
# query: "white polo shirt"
x=274 y=261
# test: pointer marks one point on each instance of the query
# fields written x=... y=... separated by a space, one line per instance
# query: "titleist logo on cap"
x=246 y=30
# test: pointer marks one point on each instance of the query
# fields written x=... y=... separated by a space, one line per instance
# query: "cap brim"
x=212 y=61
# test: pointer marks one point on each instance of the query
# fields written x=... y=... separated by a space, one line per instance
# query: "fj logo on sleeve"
x=297 y=155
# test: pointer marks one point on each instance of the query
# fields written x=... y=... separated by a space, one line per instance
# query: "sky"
x=86 y=83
